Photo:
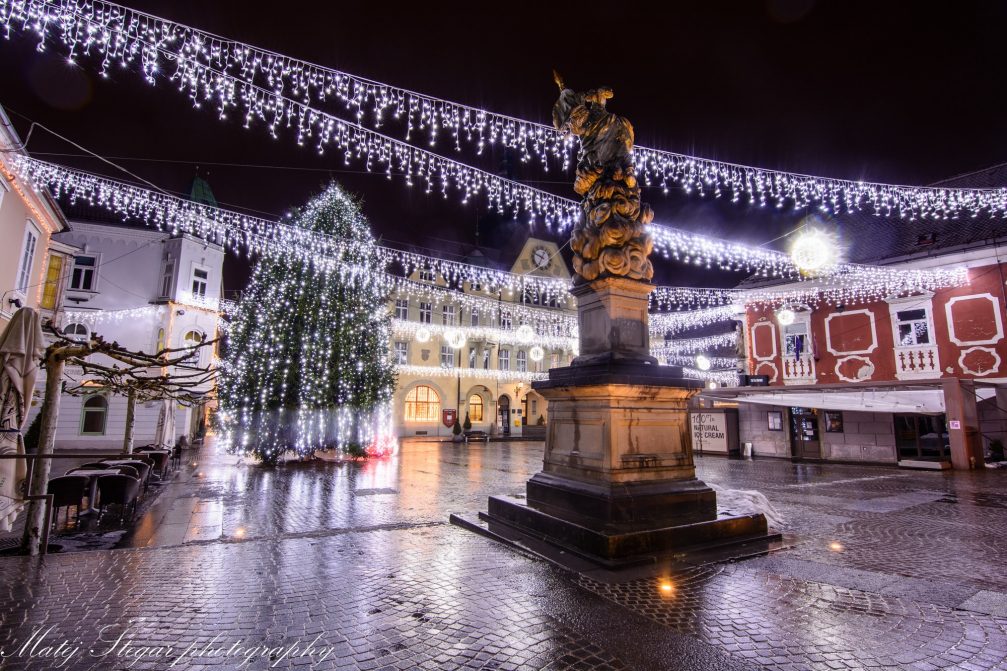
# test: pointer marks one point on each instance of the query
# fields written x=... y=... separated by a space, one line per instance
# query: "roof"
x=874 y=239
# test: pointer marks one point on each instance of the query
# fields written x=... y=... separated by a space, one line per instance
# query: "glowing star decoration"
x=455 y=338
x=813 y=252
x=422 y=334
x=536 y=353
x=702 y=362
x=525 y=333
x=786 y=317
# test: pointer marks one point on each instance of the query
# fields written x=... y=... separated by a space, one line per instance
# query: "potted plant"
x=456 y=429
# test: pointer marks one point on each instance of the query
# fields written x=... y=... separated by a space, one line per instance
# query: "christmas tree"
x=307 y=364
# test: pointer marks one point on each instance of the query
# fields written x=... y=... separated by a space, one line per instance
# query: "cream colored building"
x=33 y=267
x=477 y=352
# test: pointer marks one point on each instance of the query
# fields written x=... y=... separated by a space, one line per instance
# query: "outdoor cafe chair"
x=161 y=460
x=95 y=465
x=120 y=489
x=67 y=490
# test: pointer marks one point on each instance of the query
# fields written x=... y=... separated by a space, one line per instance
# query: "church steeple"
x=201 y=191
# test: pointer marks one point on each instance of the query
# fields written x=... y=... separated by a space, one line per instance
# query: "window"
x=475 y=318
x=522 y=361
x=401 y=353
x=447 y=356
x=472 y=357
x=94 y=412
x=448 y=315
x=505 y=321
x=427 y=275
x=534 y=407
x=82 y=278
x=75 y=331
x=50 y=293
x=422 y=404
x=402 y=308
x=160 y=340
x=503 y=359
x=27 y=258
x=193 y=338
x=426 y=312
x=167 y=278
x=795 y=339
x=914 y=327
x=200 y=277
x=476 y=408
x=486 y=359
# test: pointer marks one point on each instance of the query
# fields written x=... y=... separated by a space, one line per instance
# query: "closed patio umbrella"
x=165 y=434
x=21 y=349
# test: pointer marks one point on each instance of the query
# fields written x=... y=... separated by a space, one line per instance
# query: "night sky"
x=894 y=92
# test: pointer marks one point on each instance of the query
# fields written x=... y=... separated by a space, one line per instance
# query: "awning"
x=928 y=401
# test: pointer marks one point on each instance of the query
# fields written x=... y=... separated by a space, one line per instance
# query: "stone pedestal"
x=612 y=318
x=618 y=480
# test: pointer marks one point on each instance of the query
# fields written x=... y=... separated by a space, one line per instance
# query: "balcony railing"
x=799 y=370
x=913 y=362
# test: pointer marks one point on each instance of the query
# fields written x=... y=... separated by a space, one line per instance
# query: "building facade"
x=148 y=291
x=33 y=265
x=915 y=380
x=474 y=353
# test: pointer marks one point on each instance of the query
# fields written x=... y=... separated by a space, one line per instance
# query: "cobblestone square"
x=885 y=568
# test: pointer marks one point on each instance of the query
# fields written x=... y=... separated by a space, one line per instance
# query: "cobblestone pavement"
x=887 y=569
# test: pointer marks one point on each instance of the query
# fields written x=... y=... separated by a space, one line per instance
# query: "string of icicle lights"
x=848 y=283
x=695 y=345
x=281 y=91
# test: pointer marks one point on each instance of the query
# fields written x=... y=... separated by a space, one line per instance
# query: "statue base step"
x=614 y=548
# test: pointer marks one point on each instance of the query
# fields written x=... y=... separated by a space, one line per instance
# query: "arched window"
x=193 y=338
x=422 y=404
x=94 y=412
x=160 y=340
x=76 y=332
x=476 y=408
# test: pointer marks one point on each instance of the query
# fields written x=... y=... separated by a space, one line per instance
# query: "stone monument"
x=618 y=481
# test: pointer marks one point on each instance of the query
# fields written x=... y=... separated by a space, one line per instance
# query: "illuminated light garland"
x=90 y=317
x=694 y=361
x=725 y=378
x=237 y=231
x=413 y=330
x=675 y=322
x=466 y=373
x=543 y=320
x=694 y=345
x=280 y=89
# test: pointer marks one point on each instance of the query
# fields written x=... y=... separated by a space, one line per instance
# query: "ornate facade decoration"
x=610 y=240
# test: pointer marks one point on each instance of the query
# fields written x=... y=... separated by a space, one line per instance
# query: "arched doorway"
x=503 y=407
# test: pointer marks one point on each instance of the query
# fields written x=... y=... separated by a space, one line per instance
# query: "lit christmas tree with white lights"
x=307 y=364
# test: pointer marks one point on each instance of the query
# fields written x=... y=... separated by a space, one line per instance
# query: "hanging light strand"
x=262 y=83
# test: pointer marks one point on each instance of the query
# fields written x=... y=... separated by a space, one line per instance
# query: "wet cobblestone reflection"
x=890 y=569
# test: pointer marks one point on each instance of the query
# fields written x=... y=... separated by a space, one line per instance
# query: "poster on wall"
x=709 y=431
x=833 y=421
x=775 y=420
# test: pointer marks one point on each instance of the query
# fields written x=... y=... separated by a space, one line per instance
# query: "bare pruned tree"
x=170 y=373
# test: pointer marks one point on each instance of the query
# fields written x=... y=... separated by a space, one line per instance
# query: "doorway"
x=503 y=409
x=922 y=437
x=804 y=439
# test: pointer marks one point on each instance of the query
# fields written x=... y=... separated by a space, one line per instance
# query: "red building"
x=910 y=379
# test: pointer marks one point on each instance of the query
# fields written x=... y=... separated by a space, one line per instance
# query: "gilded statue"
x=610 y=240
